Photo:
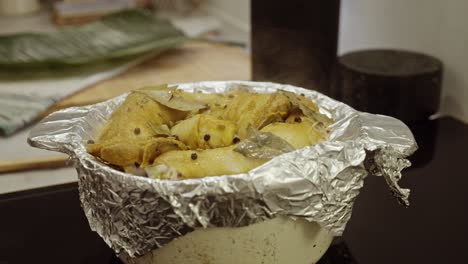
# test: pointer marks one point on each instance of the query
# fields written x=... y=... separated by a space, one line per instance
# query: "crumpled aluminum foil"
x=317 y=183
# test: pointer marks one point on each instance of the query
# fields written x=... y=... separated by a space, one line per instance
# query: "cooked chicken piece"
x=130 y=127
x=209 y=162
x=299 y=133
x=308 y=108
x=154 y=128
x=138 y=117
x=225 y=161
x=122 y=153
x=256 y=110
x=157 y=146
x=205 y=131
x=130 y=152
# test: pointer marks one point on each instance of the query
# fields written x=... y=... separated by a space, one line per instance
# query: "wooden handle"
x=33 y=164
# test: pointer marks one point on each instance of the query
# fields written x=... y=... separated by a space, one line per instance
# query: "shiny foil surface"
x=317 y=183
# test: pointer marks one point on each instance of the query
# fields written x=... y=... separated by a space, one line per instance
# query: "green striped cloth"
x=61 y=63
x=18 y=110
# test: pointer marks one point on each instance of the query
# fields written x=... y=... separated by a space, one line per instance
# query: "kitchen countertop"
x=48 y=224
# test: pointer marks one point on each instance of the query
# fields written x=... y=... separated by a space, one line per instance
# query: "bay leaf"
x=308 y=108
x=173 y=99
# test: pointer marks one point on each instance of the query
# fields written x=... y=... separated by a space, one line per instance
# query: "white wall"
x=409 y=24
x=235 y=12
x=454 y=43
x=436 y=27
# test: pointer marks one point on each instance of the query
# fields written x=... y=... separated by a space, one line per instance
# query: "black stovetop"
x=47 y=225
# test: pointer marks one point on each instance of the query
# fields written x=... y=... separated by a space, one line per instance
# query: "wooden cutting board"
x=194 y=61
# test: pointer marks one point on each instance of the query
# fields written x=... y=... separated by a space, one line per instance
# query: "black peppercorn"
x=194 y=156
x=206 y=137
x=235 y=140
x=90 y=141
x=136 y=131
x=302 y=94
x=297 y=119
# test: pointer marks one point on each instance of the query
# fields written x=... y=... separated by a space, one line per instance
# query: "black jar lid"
x=390 y=62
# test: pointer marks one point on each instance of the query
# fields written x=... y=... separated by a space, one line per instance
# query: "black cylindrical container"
x=295 y=42
x=402 y=84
